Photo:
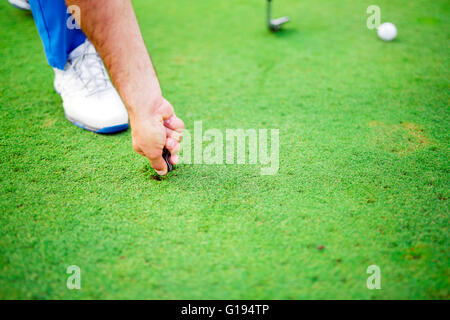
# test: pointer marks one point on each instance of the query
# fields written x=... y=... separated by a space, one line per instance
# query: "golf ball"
x=387 y=31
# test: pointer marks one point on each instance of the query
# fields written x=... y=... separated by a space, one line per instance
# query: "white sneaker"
x=20 y=4
x=89 y=99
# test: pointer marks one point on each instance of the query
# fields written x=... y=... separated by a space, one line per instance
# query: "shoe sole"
x=106 y=130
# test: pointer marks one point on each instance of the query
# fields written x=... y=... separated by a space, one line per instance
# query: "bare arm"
x=112 y=27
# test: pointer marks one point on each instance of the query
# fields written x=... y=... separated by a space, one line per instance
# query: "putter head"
x=275 y=24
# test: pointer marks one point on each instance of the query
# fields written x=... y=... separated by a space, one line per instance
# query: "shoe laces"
x=90 y=70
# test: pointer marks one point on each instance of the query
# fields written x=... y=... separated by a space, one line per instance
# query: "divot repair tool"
x=166 y=156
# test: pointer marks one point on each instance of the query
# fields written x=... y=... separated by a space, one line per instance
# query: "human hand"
x=154 y=130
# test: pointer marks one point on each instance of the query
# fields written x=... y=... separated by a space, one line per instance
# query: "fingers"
x=166 y=110
x=174 y=123
x=174 y=137
x=159 y=165
x=173 y=146
x=151 y=135
x=177 y=136
x=174 y=159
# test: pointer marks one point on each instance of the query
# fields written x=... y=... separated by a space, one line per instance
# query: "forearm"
x=112 y=27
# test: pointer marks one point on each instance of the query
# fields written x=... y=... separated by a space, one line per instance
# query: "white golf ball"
x=387 y=31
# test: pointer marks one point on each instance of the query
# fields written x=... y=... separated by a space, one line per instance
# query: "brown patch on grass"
x=49 y=123
x=417 y=132
x=156 y=177
x=402 y=138
x=148 y=172
x=417 y=252
x=179 y=60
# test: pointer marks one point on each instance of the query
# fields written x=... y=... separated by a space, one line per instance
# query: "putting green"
x=364 y=155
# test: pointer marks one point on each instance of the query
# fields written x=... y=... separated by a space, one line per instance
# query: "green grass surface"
x=364 y=161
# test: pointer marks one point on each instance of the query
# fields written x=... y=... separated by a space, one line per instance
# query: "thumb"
x=166 y=110
x=159 y=164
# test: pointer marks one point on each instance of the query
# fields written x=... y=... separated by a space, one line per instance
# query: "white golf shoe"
x=20 y=4
x=90 y=100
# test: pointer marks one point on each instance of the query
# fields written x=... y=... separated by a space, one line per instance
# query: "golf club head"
x=275 y=24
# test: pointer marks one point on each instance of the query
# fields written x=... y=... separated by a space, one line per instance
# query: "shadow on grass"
x=285 y=33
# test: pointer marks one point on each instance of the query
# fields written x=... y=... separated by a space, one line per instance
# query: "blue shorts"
x=59 y=40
